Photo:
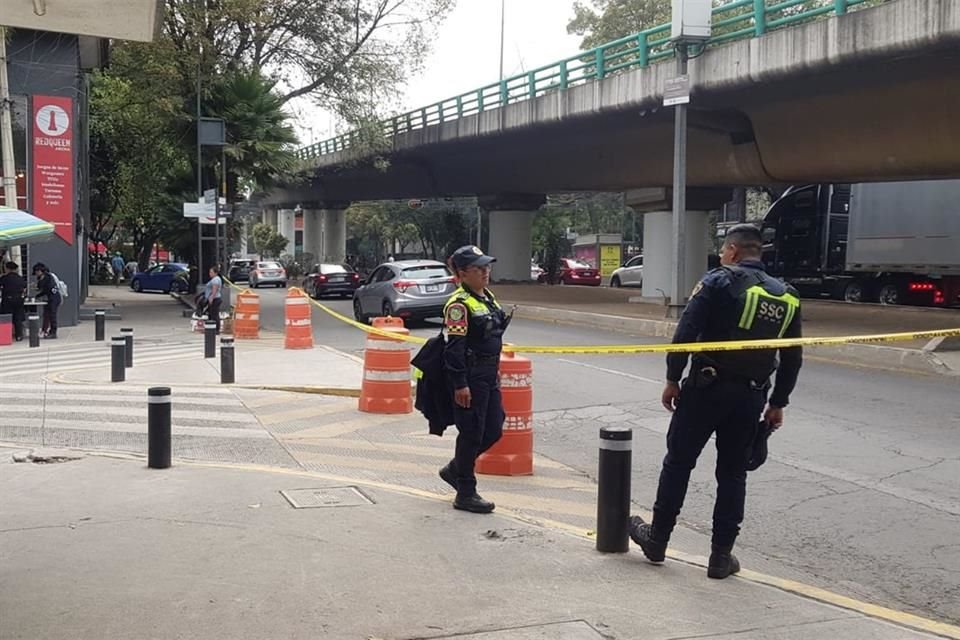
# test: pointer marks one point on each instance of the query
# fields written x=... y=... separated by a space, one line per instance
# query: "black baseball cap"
x=470 y=256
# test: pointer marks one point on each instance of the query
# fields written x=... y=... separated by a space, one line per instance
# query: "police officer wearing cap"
x=475 y=324
x=725 y=392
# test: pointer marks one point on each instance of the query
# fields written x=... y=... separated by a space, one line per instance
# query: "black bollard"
x=227 y=369
x=33 y=323
x=158 y=427
x=613 y=490
x=99 y=325
x=209 y=340
x=128 y=337
x=118 y=356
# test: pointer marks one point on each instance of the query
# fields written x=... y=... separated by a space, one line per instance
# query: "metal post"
x=128 y=339
x=33 y=324
x=678 y=279
x=99 y=325
x=8 y=167
x=613 y=489
x=227 y=361
x=209 y=339
x=158 y=427
x=118 y=350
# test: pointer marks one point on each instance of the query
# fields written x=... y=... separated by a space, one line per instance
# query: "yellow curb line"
x=867 y=609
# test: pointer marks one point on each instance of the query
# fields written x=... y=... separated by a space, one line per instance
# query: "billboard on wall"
x=118 y=19
x=53 y=163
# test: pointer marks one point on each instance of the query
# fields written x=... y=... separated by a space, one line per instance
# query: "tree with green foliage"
x=267 y=242
x=601 y=21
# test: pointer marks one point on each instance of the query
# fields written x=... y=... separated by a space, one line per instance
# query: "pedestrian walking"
x=475 y=324
x=118 y=265
x=212 y=292
x=13 y=290
x=724 y=393
x=48 y=290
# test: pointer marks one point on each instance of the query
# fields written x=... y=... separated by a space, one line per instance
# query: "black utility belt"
x=475 y=359
x=705 y=375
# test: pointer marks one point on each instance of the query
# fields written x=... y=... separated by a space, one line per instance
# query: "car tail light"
x=356 y=276
x=403 y=285
x=938 y=297
x=283 y=272
x=321 y=278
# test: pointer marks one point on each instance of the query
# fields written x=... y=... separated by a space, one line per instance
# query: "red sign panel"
x=53 y=163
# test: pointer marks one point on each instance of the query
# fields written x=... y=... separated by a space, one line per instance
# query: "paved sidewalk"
x=104 y=548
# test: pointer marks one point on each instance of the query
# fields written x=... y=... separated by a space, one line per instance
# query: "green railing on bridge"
x=731 y=21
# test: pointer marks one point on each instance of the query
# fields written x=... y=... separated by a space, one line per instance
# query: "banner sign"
x=53 y=165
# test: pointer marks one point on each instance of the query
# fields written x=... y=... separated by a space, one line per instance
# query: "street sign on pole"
x=676 y=91
x=209 y=196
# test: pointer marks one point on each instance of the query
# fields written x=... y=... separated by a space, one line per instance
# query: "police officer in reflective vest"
x=724 y=393
x=475 y=323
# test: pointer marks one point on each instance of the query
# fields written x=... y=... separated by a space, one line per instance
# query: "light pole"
x=503 y=23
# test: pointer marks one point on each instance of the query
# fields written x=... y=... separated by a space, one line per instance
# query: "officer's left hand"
x=774 y=416
x=671 y=392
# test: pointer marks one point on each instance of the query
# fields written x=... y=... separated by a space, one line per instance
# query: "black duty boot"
x=652 y=545
x=473 y=504
x=448 y=476
x=722 y=563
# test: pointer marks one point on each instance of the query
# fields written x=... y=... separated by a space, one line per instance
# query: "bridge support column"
x=285 y=227
x=269 y=217
x=335 y=234
x=511 y=228
x=313 y=233
x=658 y=251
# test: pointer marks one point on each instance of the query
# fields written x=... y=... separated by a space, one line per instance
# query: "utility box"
x=691 y=20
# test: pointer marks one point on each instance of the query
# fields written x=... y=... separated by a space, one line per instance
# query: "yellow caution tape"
x=694 y=347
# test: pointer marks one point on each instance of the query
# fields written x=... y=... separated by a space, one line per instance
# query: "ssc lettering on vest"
x=772 y=311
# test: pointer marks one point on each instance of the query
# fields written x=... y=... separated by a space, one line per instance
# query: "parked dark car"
x=331 y=280
x=161 y=277
x=240 y=270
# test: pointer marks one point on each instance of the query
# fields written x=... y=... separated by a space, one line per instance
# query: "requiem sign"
x=53 y=163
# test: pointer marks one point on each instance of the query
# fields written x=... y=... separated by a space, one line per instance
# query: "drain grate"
x=345 y=496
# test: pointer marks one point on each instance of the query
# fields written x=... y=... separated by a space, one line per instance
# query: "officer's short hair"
x=11 y=266
x=746 y=237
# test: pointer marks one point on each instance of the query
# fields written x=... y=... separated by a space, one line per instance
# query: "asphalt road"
x=861 y=494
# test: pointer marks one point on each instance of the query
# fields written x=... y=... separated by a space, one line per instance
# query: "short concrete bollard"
x=118 y=356
x=127 y=334
x=99 y=325
x=227 y=361
x=613 y=490
x=158 y=427
x=209 y=339
x=33 y=326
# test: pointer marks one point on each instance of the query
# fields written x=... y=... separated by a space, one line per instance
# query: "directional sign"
x=209 y=196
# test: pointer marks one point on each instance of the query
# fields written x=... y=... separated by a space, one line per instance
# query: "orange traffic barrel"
x=246 y=321
x=512 y=455
x=386 y=370
x=299 y=333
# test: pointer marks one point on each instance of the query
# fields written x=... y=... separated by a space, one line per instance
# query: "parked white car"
x=630 y=274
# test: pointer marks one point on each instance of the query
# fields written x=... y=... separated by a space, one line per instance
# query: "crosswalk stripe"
x=141 y=427
x=54 y=368
x=335 y=429
x=104 y=411
x=304 y=412
x=102 y=348
x=131 y=389
x=38 y=394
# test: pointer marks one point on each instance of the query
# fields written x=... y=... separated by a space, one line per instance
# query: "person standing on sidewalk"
x=212 y=293
x=48 y=290
x=724 y=393
x=12 y=292
x=118 y=265
x=475 y=324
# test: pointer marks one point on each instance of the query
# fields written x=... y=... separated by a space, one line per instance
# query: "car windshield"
x=269 y=265
x=426 y=272
x=328 y=269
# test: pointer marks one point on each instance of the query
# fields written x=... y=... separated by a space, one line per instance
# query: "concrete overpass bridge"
x=784 y=93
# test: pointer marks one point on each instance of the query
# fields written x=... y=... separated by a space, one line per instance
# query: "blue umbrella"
x=20 y=227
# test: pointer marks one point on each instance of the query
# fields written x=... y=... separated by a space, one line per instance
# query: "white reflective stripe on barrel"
x=297 y=301
x=387 y=345
x=617 y=445
x=298 y=323
x=158 y=399
x=386 y=376
x=516 y=379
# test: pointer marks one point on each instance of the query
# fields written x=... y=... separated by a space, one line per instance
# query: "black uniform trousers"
x=15 y=308
x=731 y=408
x=213 y=312
x=480 y=426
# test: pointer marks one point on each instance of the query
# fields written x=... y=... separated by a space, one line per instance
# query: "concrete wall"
x=49 y=64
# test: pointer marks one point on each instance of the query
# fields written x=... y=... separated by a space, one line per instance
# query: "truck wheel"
x=854 y=292
x=889 y=294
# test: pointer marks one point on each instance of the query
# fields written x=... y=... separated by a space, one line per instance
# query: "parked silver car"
x=409 y=289
x=268 y=272
x=629 y=275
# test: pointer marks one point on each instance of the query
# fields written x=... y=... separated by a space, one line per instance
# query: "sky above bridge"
x=466 y=54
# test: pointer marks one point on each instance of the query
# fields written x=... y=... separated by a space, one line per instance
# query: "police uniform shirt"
x=12 y=287
x=471 y=334
x=713 y=315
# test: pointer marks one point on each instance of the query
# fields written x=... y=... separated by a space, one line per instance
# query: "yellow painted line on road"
x=313 y=411
x=902 y=618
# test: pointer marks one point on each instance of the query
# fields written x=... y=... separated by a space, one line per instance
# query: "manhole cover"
x=348 y=496
x=573 y=630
